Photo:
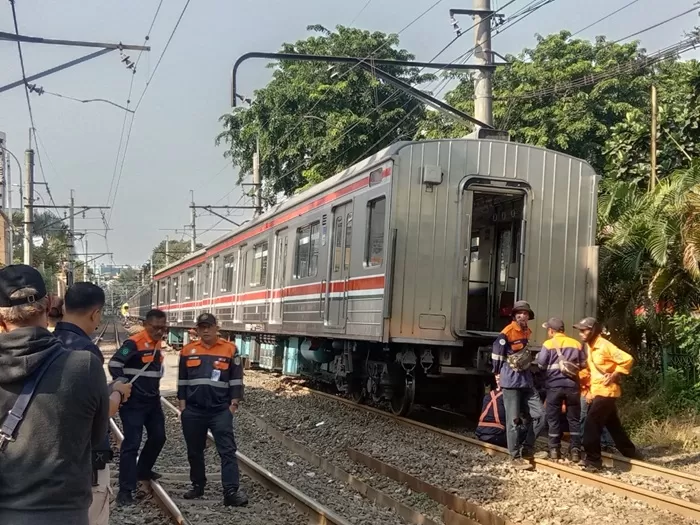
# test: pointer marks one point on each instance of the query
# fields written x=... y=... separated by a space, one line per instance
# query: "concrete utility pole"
x=193 y=210
x=257 y=181
x=71 y=239
x=483 y=88
x=167 y=249
x=652 y=178
x=28 y=204
x=87 y=262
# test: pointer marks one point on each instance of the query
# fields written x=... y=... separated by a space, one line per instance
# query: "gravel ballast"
x=329 y=428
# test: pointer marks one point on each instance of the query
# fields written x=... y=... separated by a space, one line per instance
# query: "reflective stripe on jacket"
x=135 y=353
x=604 y=358
x=548 y=360
x=210 y=377
x=493 y=414
x=511 y=339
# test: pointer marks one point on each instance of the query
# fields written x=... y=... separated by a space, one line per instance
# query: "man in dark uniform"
x=141 y=356
x=83 y=314
x=210 y=387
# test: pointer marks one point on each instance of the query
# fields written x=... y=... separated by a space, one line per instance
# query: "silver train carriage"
x=139 y=304
x=392 y=278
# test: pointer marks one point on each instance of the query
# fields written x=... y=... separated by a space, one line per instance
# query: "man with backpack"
x=53 y=410
x=512 y=362
x=562 y=358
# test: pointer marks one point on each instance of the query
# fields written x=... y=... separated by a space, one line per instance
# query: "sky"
x=171 y=147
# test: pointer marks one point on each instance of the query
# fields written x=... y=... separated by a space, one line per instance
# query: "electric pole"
x=483 y=88
x=193 y=241
x=257 y=181
x=85 y=268
x=28 y=204
x=71 y=239
x=167 y=249
x=652 y=178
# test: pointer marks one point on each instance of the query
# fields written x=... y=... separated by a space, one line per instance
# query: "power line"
x=361 y=11
x=656 y=25
x=604 y=18
x=155 y=69
x=138 y=104
x=21 y=62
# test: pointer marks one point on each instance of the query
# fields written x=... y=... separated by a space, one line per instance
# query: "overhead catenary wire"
x=604 y=18
x=658 y=24
x=364 y=7
x=138 y=104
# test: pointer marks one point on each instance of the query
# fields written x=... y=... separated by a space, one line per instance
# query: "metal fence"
x=683 y=363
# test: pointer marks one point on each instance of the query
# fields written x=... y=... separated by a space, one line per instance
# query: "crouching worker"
x=512 y=362
x=562 y=358
x=493 y=414
x=606 y=363
x=210 y=386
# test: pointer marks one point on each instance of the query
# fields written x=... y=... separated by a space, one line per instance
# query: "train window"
x=348 y=239
x=306 y=262
x=229 y=268
x=174 y=296
x=374 y=250
x=474 y=250
x=190 y=285
x=162 y=293
x=338 y=244
x=259 y=276
x=217 y=271
x=206 y=284
x=375 y=177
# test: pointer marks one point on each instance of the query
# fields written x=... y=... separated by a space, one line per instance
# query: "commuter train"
x=392 y=278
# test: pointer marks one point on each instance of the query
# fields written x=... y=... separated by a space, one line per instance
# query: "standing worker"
x=210 y=387
x=601 y=380
x=512 y=362
x=562 y=358
x=140 y=355
x=83 y=313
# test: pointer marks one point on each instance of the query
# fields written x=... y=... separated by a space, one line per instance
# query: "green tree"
x=575 y=121
x=176 y=250
x=313 y=120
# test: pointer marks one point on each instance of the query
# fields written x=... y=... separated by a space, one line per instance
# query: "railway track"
x=678 y=506
x=272 y=499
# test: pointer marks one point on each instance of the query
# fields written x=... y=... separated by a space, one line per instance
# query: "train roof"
x=364 y=165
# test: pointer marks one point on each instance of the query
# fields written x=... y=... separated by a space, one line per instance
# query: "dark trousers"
x=135 y=416
x=194 y=427
x=555 y=398
x=524 y=419
x=602 y=413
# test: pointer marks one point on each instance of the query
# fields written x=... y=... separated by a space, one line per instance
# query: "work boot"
x=554 y=454
x=235 y=498
x=541 y=455
x=522 y=464
x=197 y=491
x=125 y=498
x=575 y=455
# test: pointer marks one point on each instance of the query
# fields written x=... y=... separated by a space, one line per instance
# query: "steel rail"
x=162 y=497
x=99 y=336
x=317 y=513
x=678 y=506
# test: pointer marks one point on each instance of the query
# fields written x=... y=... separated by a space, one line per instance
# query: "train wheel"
x=358 y=396
x=403 y=397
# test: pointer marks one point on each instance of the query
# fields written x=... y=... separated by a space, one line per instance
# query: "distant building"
x=110 y=271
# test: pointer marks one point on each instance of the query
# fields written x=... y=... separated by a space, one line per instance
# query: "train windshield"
x=492 y=261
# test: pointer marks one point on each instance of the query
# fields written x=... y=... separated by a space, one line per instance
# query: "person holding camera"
x=600 y=381
x=512 y=362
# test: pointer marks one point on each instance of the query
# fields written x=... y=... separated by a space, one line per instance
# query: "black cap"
x=555 y=324
x=586 y=323
x=18 y=277
x=206 y=319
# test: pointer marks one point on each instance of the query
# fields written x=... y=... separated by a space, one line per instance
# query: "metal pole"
x=8 y=193
x=193 y=241
x=257 y=181
x=71 y=239
x=28 y=205
x=483 y=89
x=85 y=268
x=151 y=259
x=652 y=179
x=167 y=249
